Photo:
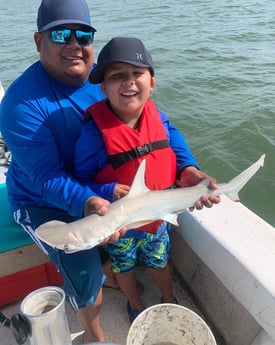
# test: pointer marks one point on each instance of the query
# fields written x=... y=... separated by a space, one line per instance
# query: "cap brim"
x=97 y=74
x=64 y=22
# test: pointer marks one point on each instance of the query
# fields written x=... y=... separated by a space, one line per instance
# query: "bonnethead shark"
x=139 y=207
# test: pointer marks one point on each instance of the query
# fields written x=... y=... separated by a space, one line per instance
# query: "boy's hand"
x=120 y=191
x=191 y=176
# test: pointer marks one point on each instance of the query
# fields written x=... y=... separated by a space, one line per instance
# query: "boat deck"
x=115 y=324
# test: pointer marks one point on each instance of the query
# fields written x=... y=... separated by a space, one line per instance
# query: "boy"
x=119 y=133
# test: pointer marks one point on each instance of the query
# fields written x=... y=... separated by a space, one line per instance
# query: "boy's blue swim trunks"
x=150 y=250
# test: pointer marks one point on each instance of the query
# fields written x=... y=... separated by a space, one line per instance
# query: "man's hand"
x=114 y=237
x=95 y=204
x=191 y=176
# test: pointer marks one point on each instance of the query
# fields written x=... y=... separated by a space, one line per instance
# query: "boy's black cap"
x=121 y=49
x=53 y=13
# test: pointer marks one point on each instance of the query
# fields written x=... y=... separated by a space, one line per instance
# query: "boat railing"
x=237 y=249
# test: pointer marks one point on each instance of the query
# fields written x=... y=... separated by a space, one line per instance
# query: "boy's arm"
x=188 y=173
x=177 y=142
x=90 y=157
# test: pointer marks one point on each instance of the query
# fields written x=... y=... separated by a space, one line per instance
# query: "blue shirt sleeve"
x=90 y=158
x=41 y=120
x=177 y=142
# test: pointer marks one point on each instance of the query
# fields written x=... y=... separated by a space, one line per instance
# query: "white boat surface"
x=2 y=91
x=3 y=167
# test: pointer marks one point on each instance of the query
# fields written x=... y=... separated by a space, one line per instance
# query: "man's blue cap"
x=52 y=13
x=130 y=50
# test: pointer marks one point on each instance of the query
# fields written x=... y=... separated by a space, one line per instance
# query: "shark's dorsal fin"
x=138 y=186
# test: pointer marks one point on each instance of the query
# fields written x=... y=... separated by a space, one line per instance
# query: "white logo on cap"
x=139 y=56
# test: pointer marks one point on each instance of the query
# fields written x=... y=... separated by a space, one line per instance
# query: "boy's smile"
x=127 y=87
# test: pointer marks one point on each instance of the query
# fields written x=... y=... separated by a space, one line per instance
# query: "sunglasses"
x=63 y=36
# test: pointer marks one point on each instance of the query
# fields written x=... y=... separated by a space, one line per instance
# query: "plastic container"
x=169 y=324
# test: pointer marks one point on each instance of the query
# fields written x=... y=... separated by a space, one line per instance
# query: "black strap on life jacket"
x=121 y=158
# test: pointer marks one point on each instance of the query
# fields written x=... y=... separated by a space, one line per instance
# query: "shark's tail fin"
x=237 y=183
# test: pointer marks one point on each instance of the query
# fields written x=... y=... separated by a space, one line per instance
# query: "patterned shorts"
x=152 y=250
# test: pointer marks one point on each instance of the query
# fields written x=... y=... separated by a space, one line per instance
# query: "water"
x=215 y=70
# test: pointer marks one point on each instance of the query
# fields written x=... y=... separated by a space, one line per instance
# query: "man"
x=41 y=119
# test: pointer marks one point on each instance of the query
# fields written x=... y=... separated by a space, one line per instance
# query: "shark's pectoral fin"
x=171 y=218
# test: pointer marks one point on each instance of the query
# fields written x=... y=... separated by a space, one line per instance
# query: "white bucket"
x=169 y=324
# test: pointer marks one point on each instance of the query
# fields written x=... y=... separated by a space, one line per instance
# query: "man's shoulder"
x=28 y=79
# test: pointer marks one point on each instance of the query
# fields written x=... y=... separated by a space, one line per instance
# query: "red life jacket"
x=127 y=147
